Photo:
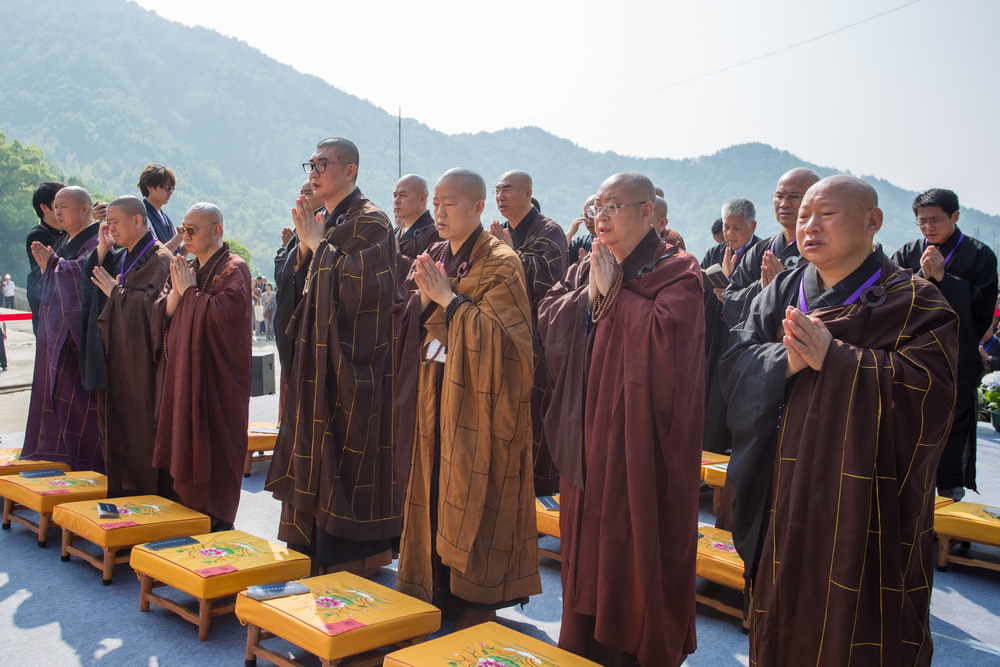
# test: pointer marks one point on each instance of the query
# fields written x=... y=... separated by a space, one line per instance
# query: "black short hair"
x=946 y=199
x=717 y=226
x=155 y=176
x=44 y=194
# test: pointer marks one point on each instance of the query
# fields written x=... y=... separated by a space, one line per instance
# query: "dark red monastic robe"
x=204 y=355
x=625 y=428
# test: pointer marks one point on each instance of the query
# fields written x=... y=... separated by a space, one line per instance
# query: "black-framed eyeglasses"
x=611 y=209
x=320 y=166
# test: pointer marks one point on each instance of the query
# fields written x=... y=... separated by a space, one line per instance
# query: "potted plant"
x=989 y=397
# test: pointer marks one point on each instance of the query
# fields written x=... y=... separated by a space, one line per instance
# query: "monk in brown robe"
x=333 y=460
x=128 y=281
x=623 y=334
x=541 y=245
x=415 y=229
x=469 y=537
x=837 y=382
x=202 y=323
x=63 y=423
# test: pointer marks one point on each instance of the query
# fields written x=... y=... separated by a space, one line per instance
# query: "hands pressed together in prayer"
x=806 y=341
x=104 y=280
x=932 y=263
x=501 y=233
x=432 y=281
x=770 y=267
x=309 y=226
x=41 y=253
x=182 y=277
x=602 y=270
x=286 y=235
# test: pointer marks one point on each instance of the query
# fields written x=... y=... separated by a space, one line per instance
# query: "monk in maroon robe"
x=202 y=323
x=541 y=245
x=623 y=334
x=119 y=346
x=62 y=415
x=838 y=383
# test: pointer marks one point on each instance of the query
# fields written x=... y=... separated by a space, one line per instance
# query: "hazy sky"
x=910 y=96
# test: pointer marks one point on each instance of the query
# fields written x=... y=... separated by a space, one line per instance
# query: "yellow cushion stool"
x=343 y=616
x=217 y=565
x=711 y=458
x=714 y=475
x=11 y=463
x=718 y=561
x=42 y=494
x=966 y=522
x=140 y=519
x=547 y=524
x=485 y=644
x=261 y=437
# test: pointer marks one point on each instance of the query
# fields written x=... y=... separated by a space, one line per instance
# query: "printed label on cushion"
x=140 y=512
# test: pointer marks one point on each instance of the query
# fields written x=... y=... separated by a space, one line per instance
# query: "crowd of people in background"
x=438 y=373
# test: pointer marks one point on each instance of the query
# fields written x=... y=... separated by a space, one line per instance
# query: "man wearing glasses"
x=623 y=337
x=965 y=270
x=769 y=257
x=333 y=460
x=157 y=184
x=201 y=329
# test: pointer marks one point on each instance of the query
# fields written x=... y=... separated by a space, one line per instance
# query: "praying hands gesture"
x=42 y=254
x=181 y=277
x=806 y=340
x=932 y=263
x=432 y=281
x=103 y=280
x=770 y=267
x=602 y=270
x=310 y=226
x=499 y=232
x=729 y=262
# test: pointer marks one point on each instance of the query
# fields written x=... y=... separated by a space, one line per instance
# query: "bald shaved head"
x=76 y=194
x=632 y=183
x=838 y=219
x=788 y=195
x=73 y=209
x=467 y=181
x=130 y=205
x=344 y=149
x=522 y=178
x=659 y=215
x=127 y=220
x=513 y=194
x=417 y=183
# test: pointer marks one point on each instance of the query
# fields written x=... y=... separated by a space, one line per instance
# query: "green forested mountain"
x=105 y=87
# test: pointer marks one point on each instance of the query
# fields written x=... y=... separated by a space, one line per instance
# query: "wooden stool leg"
x=67 y=539
x=944 y=546
x=248 y=464
x=204 y=617
x=253 y=639
x=44 y=519
x=109 y=565
x=716 y=500
x=145 y=588
x=8 y=509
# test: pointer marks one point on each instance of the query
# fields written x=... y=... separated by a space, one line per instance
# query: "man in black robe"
x=738 y=226
x=47 y=233
x=965 y=270
x=770 y=256
x=579 y=246
x=541 y=245
x=834 y=504
x=415 y=231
